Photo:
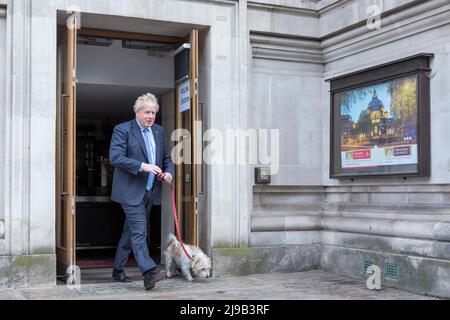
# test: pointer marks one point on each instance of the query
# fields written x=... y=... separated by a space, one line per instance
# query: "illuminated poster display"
x=376 y=125
x=379 y=124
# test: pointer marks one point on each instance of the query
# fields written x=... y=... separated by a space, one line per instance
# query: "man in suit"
x=139 y=154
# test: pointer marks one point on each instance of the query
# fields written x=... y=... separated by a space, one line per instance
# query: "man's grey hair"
x=147 y=99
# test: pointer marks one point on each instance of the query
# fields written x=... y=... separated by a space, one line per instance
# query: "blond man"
x=139 y=153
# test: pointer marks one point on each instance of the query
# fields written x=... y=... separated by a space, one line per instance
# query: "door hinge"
x=74 y=77
x=73 y=204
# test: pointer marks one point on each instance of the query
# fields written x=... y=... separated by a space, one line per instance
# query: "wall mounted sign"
x=380 y=121
x=184 y=98
x=182 y=62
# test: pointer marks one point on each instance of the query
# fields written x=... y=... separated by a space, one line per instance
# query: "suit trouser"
x=134 y=235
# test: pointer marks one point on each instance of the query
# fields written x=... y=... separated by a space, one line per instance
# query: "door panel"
x=65 y=155
x=187 y=173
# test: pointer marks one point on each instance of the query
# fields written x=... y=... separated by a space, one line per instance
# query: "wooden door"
x=65 y=155
x=187 y=173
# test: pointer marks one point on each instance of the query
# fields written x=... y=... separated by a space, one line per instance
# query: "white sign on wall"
x=184 y=101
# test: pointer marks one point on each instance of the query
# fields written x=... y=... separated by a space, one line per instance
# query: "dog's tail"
x=171 y=239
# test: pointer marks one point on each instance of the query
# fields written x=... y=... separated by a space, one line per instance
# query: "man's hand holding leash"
x=167 y=177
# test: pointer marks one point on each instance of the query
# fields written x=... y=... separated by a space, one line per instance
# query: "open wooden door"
x=187 y=173
x=65 y=148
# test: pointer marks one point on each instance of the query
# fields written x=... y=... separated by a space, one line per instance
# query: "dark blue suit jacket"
x=126 y=153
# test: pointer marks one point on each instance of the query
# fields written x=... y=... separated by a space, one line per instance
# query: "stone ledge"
x=303 y=8
x=285 y=223
x=245 y=261
x=28 y=271
x=416 y=274
x=429 y=249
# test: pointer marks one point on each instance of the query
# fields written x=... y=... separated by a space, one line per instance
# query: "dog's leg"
x=187 y=272
x=169 y=264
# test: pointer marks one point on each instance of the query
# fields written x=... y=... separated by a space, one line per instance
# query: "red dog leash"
x=175 y=216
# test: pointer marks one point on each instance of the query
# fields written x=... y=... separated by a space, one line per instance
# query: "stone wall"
x=286 y=95
x=395 y=221
x=3 y=41
x=27 y=243
x=405 y=228
x=402 y=225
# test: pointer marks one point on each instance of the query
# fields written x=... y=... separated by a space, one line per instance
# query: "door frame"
x=125 y=35
x=66 y=155
x=187 y=191
x=119 y=35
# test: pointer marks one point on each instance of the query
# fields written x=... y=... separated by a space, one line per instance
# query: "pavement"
x=310 y=285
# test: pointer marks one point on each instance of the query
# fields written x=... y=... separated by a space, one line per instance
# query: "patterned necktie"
x=148 y=146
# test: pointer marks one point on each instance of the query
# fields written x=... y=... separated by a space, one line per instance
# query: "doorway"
x=100 y=75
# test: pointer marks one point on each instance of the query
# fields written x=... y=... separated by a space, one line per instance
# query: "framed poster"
x=380 y=121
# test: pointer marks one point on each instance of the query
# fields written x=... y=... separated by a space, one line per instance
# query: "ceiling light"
x=94 y=41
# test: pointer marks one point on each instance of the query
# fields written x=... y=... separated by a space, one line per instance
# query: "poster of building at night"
x=378 y=124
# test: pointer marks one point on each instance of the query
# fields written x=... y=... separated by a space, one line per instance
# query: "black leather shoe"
x=153 y=276
x=120 y=275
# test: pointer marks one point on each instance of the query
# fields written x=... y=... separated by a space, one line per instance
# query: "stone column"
x=3 y=43
x=42 y=128
x=244 y=181
x=17 y=131
x=28 y=147
x=229 y=186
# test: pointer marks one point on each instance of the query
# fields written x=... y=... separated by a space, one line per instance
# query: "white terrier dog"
x=176 y=258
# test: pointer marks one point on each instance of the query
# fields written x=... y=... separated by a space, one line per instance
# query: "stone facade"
x=263 y=64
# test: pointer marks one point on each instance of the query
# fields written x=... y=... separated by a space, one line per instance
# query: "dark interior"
x=99 y=221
